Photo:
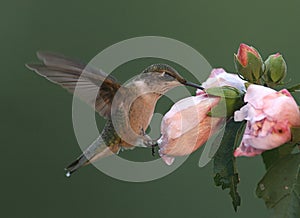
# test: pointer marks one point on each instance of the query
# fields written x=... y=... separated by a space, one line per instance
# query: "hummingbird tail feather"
x=75 y=165
x=95 y=151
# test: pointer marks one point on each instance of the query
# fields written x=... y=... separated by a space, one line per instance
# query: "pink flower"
x=186 y=126
x=270 y=115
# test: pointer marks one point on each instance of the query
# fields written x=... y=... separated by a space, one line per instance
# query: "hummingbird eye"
x=167 y=76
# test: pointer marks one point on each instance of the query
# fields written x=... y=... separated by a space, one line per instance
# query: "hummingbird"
x=128 y=108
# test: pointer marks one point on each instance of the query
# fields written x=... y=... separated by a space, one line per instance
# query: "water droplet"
x=68 y=174
x=262 y=187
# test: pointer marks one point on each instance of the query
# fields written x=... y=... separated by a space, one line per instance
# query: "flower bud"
x=249 y=63
x=275 y=71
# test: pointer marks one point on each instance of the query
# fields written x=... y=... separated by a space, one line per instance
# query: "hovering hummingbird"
x=128 y=109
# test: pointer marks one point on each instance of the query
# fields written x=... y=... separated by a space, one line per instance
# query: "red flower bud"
x=243 y=51
x=249 y=64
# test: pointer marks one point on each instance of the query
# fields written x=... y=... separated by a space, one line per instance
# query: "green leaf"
x=224 y=92
x=255 y=67
x=226 y=107
x=294 y=88
x=289 y=206
x=225 y=169
x=231 y=100
x=273 y=156
x=280 y=187
x=239 y=134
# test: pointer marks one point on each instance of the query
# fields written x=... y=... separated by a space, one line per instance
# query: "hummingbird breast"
x=139 y=117
x=133 y=111
x=141 y=111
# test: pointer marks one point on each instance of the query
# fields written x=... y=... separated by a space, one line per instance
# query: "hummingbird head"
x=165 y=77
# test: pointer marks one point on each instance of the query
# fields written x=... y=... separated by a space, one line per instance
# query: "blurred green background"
x=37 y=138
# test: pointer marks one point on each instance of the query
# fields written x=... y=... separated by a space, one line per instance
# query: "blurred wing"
x=89 y=82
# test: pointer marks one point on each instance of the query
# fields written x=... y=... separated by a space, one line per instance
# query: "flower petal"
x=219 y=77
x=247 y=151
x=278 y=106
x=255 y=95
x=241 y=114
x=186 y=115
x=167 y=159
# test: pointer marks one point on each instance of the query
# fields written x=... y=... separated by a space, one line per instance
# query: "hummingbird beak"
x=187 y=83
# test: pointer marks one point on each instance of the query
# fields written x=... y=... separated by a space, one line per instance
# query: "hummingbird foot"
x=153 y=149
x=148 y=142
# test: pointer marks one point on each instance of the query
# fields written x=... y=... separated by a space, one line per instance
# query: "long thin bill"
x=187 y=83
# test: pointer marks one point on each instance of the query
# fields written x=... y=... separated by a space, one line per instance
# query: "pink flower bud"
x=270 y=115
x=249 y=63
x=243 y=51
x=187 y=126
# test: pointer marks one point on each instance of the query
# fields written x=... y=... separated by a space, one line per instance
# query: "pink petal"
x=193 y=139
x=216 y=72
x=241 y=114
x=282 y=107
x=255 y=94
x=167 y=159
x=246 y=151
x=219 y=77
x=186 y=115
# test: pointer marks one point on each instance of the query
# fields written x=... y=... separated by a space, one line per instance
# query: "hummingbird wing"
x=93 y=86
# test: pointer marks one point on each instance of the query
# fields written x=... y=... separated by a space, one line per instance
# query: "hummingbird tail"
x=75 y=165
x=82 y=160
x=95 y=151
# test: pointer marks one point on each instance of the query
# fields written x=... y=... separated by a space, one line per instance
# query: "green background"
x=37 y=138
